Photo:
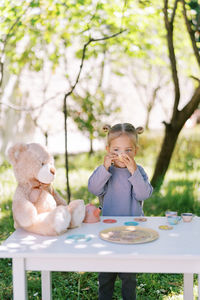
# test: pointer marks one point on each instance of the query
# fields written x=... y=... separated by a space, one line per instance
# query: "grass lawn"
x=180 y=192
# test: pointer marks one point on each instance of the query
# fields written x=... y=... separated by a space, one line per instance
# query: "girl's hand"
x=108 y=160
x=129 y=163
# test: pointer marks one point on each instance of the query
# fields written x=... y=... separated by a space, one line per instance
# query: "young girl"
x=121 y=186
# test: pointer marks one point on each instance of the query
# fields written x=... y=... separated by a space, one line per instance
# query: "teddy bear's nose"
x=52 y=170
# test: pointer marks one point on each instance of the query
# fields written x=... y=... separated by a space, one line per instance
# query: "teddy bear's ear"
x=14 y=151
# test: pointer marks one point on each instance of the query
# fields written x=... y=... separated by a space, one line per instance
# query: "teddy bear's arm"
x=24 y=212
x=59 y=200
x=34 y=195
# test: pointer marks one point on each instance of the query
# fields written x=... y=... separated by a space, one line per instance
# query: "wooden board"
x=128 y=235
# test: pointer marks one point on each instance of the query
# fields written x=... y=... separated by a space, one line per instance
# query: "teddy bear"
x=37 y=207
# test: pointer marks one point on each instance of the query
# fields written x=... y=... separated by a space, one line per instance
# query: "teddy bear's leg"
x=77 y=211
x=51 y=223
x=62 y=219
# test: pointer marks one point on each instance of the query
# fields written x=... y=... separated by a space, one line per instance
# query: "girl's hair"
x=120 y=129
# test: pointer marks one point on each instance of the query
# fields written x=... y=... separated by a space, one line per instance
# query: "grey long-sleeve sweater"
x=120 y=193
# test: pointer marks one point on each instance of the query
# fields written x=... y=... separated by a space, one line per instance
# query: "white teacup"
x=170 y=213
x=187 y=217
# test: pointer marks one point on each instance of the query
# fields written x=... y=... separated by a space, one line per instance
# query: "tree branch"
x=190 y=107
x=5 y=41
x=166 y=18
x=83 y=56
x=172 y=57
x=195 y=78
x=65 y=108
x=29 y=109
x=174 y=11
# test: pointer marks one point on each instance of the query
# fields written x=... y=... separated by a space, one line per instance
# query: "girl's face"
x=122 y=145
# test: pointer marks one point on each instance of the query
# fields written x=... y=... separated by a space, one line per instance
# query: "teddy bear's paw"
x=62 y=219
x=77 y=210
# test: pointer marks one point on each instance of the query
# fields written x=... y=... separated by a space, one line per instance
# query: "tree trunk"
x=146 y=126
x=46 y=138
x=91 y=146
x=172 y=131
x=163 y=161
x=178 y=118
x=66 y=151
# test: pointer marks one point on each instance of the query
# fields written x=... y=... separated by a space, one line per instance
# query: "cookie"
x=165 y=227
x=140 y=219
x=120 y=157
x=109 y=221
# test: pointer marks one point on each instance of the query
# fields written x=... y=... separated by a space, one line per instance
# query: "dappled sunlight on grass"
x=193 y=175
x=7 y=184
x=80 y=176
x=177 y=195
x=6 y=220
x=173 y=297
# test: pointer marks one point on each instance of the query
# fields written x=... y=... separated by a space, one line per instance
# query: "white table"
x=175 y=251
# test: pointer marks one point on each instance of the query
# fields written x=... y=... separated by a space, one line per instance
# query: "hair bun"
x=106 y=128
x=139 y=130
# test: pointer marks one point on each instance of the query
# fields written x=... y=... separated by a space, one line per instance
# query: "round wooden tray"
x=129 y=235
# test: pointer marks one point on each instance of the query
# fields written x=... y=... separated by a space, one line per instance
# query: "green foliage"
x=31 y=29
x=194 y=10
x=34 y=31
x=89 y=110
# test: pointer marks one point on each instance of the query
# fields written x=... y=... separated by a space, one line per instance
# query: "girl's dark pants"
x=107 y=281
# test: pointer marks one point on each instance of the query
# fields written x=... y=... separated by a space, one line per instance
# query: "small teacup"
x=170 y=213
x=187 y=217
x=173 y=220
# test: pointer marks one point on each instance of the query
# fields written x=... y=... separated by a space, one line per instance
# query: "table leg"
x=188 y=286
x=19 y=279
x=46 y=285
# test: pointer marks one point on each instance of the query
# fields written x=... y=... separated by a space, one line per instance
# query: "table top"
x=182 y=241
